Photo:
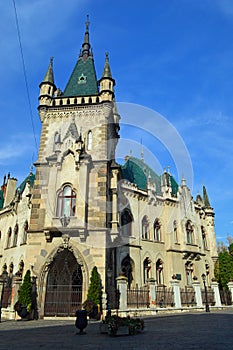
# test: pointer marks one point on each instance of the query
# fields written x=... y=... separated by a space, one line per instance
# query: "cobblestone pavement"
x=177 y=331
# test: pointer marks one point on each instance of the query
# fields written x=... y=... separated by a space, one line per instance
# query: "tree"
x=95 y=287
x=25 y=292
x=224 y=266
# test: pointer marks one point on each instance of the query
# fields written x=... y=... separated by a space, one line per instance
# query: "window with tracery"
x=66 y=202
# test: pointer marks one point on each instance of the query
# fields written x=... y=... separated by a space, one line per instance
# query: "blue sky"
x=171 y=56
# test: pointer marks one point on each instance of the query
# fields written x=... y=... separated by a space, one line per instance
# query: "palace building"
x=82 y=209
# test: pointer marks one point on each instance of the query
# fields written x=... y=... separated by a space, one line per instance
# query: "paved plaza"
x=201 y=330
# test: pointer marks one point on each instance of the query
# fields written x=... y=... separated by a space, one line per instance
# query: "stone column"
x=214 y=286
x=176 y=290
x=122 y=286
x=152 y=291
x=230 y=286
x=197 y=290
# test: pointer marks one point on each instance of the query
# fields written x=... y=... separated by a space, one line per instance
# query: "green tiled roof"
x=137 y=172
x=83 y=80
x=1 y=199
x=30 y=178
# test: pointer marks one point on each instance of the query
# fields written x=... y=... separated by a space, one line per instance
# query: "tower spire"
x=49 y=76
x=85 y=51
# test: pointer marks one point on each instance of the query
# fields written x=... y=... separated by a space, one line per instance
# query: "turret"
x=47 y=86
x=106 y=82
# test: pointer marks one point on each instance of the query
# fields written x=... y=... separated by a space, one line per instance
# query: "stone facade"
x=80 y=210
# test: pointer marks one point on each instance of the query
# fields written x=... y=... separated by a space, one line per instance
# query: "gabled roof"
x=83 y=81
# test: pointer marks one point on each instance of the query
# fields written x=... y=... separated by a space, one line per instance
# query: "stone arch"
x=128 y=269
x=65 y=248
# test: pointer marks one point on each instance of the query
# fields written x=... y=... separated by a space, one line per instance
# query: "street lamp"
x=4 y=278
x=207 y=309
x=109 y=275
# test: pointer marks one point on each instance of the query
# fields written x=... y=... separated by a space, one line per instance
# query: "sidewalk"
x=178 y=331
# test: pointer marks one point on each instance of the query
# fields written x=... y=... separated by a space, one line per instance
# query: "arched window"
x=89 y=141
x=68 y=101
x=159 y=271
x=15 y=239
x=126 y=223
x=8 y=244
x=146 y=269
x=204 y=240
x=83 y=100
x=189 y=232
x=75 y=101
x=97 y=99
x=66 y=202
x=145 y=227
x=157 y=231
x=127 y=267
x=25 y=232
x=90 y=100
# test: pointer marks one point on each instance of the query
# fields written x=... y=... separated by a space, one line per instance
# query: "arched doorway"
x=64 y=286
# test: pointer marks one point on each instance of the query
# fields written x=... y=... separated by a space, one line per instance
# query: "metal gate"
x=64 y=286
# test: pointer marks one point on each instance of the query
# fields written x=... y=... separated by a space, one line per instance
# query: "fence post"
x=152 y=295
x=214 y=286
x=230 y=286
x=176 y=289
x=197 y=290
x=122 y=287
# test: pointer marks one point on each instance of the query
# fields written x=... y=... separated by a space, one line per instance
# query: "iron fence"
x=210 y=296
x=113 y=296
x=164 y=296
x=226 y=297
x=138 y=298
x=63 y=300
x=188 y=297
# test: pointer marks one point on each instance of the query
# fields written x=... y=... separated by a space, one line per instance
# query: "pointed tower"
x=107 y=82
x=74 y=199
x=47 y=86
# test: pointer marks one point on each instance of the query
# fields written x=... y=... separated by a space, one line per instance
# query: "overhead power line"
x=25 y=74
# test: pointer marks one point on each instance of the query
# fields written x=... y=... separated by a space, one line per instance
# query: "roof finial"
x=85 y=52
x=142 y=151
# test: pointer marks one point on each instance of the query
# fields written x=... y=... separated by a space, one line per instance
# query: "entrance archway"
x=64 y=286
